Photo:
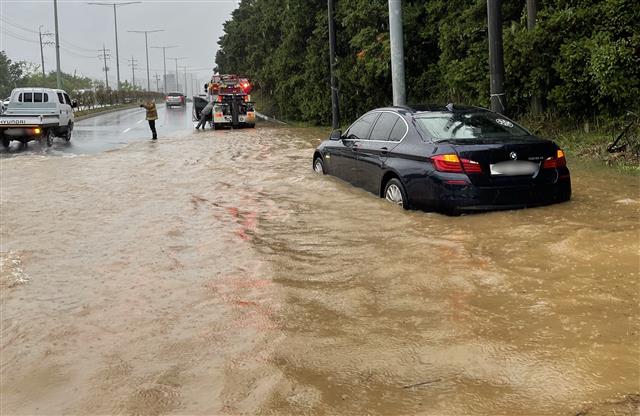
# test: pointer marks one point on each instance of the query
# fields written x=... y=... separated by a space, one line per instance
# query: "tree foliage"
x=581 y=60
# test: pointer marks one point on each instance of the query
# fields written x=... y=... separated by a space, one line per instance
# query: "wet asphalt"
x=109 y=131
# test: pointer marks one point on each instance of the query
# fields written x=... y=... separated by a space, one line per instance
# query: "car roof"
x=427 y=108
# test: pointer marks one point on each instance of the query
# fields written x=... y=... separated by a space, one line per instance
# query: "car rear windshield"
x=468 y=125
x=174 y=94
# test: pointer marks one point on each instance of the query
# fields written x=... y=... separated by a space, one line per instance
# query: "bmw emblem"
x=513 y=155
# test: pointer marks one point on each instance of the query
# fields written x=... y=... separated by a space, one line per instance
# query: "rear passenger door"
x=373 y=153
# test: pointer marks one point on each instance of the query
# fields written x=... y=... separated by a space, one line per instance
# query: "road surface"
x=110 y=131
x=215 y=273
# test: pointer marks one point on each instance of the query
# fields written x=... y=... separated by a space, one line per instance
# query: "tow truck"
x=232 y=105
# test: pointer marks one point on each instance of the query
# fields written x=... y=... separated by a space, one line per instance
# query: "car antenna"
x=450 y=106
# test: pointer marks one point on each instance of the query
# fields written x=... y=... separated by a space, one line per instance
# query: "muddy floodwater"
x=215 y=273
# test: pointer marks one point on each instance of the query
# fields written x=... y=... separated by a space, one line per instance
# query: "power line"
x=10 y=23
x=13 y=35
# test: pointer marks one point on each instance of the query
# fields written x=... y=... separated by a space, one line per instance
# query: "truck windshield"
x=468 y=125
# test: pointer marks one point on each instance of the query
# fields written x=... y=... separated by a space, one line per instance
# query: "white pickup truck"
x=37 y=114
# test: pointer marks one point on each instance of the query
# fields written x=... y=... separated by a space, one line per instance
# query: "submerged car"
x=449 y=159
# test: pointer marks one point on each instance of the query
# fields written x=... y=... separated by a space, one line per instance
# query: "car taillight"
x=220 y=98
x=452 y=163
x=558 y=161
x=167 y=98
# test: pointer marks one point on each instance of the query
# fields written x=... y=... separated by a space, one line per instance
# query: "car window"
x=60 y=98
x=20 y=97
x=468 y=125
x=383 y=126
x=46 y=97
x=398 y=131
x=37 y=97
x=360 y=129
x=67 y=100
x=27 y=97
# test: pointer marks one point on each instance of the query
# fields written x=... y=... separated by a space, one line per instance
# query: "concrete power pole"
x=176 y=60
x=40 y=35
x=335 y=103
x=532 y=12
x=184 y=86
x=105 y=55
x=496 y=59
x=58 y=75
x=397 y=52
x=133 y=63
x=164 y=60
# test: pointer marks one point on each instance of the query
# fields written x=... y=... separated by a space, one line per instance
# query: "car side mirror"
x=336 y=135
x=74 y=104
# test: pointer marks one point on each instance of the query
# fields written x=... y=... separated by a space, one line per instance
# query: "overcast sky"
x=194 y=26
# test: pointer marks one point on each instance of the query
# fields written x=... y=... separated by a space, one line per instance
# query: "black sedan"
x=450 y=159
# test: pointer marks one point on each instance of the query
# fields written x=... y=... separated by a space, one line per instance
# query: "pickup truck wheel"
x=48 y=137
x=6 y=142
x=67 y=135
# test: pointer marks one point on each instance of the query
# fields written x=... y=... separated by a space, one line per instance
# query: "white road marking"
x=126 y=130
x=140 y=121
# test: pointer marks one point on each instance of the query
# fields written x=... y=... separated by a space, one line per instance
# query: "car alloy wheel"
x=318 y=166
x=393 y=194
x=48 y=138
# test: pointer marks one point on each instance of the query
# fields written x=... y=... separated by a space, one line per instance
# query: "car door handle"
x=384 y=150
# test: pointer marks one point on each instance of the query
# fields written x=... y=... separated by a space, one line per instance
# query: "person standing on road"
x=206 y=111
x=152 y=116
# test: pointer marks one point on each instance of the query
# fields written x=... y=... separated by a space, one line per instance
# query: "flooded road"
x=109 y=131
x=215 y=273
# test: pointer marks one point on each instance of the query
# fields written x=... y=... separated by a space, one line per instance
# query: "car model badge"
x=513 y=155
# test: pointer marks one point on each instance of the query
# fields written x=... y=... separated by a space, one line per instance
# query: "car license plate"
x=514 y=168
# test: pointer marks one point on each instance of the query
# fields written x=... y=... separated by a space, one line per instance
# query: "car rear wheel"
x=67 y=135
x=48 y=137
x=394 y=193
x=318 y=166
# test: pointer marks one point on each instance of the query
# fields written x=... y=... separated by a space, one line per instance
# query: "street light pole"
x=58 y=76
x=115 y=21
x=397 y=52
x=146 y=46
x=164 y=60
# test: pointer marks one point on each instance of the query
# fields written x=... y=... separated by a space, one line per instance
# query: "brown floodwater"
x=215 y=273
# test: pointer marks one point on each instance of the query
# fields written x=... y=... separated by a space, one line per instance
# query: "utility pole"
x=184 y=86
x=396 y=38
x=133 y=63
x=157 y=77
x=532 y=12
x=176 y=60
x=146 y=46
x=40 y=35
x=164 y=60
x=496 y=60
x=335 y=105
x=58 y=75
x=105 y=55
x=115 y=21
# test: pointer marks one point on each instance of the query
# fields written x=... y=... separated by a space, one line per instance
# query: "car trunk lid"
x=507 y=162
